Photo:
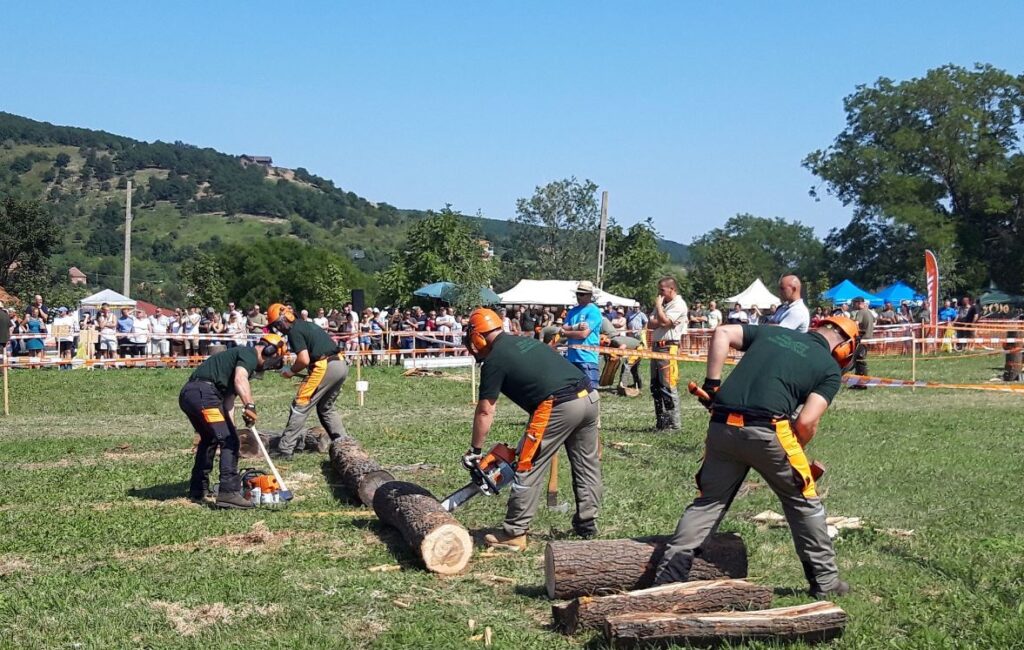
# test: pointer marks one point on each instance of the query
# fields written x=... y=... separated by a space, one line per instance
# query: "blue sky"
x=685 y=112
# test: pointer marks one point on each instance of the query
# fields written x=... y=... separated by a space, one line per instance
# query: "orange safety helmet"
x=277 y=311
x=843 y=353
x=481 y=321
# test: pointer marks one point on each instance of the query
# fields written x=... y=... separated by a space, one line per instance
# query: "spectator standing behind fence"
x=583 y=327
x=714 y=315
x=966 y=318
x=159 y=345
x=865 y=320
x=34 y=324
x=140 y=334
x=65 y=327
x=106 y=323
x=793 y=313
x=321 y=320
x=636 y=321
x=125 y=322
x=668 y=327
x=888 y=315
x=257 y=322
x=235 y=330
x=44 y=311
x=738 y=316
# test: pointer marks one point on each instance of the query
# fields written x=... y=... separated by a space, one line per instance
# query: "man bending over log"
x=782 y=371
x=563 y=410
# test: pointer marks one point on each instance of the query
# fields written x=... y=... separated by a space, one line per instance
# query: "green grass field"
x=99 y=550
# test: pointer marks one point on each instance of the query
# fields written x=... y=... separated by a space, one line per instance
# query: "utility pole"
x=600 y=240
x=128 y=243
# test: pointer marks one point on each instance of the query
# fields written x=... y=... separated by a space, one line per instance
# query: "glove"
x=471 y=457
x=710 y=387
x=249 y=415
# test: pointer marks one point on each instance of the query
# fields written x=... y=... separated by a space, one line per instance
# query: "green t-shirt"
x=5 y=327
x=779 y=369
x=305 y=335
x=526 y=371
x=220 y=368
x=865 y=322
x=625 y=341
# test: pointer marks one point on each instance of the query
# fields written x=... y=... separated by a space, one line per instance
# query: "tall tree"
x=202 y=280
x=443 y=247
x=940 y=155
x=773 y=247
x=635 y=263
x=555 y=232
x=28 y=235
x=720 y=268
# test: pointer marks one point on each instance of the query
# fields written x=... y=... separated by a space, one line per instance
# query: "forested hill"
x=187 y=198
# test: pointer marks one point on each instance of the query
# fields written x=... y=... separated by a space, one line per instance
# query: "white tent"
x=556 y=292
x=109 y=296
x=756 y=295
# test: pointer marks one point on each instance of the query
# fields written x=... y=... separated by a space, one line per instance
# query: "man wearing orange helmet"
x=208 y=399
x=316 y=350
x=762 y=417
x=563 y=411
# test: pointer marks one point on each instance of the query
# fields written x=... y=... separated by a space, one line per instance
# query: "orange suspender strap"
x=312 y=382
x=530 y=442
x=796 y=456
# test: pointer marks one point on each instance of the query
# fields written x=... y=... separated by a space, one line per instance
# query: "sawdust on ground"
x=115 y=455
x=189 y=621
x=258 y=539
x=11 y=564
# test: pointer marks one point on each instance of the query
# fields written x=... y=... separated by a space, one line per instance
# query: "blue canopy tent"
x=846 y=291
x=899 y=291
x=445 y=291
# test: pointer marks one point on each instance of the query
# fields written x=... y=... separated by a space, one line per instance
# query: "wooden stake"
x=359 y=377
x=7 y=404
x=913 y=361
x=553 y=482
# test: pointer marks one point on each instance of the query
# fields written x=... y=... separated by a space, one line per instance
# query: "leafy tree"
x=555 y=232
x=62 y=160
x=720 y=268
x=634 y=261
x=443 y=247
x=939 y=155
x=774 y=247
x=875 y=251
x=202 y=279
x=28 y=235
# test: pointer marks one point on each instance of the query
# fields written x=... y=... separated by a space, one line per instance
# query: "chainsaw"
x=817 y=469
x=488 y=476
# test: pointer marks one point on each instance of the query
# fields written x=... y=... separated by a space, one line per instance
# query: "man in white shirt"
x=159 y=345
x=668 y=327
x=65 y=328
x=793 y=313
x=321 y=319
x=738 y=315
x=140 y=333
x=714 y=316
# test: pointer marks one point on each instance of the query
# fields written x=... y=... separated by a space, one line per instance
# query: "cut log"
x=440 y=541
x=601 y=567
x=360 y=474
x=677 y=598
x=815 y=622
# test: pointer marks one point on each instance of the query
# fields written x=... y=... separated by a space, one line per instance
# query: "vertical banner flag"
x=931 y=273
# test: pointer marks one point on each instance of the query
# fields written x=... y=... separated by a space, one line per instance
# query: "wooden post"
x=7 y=404
x=359 y=377
x=913 y=360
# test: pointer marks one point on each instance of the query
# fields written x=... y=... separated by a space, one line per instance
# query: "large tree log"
x=600 y=567
x=815 y=622
x=360 y=474
x=677 y=598
x=435 y=536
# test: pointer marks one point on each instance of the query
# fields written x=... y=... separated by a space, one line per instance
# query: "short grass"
x=98 y=550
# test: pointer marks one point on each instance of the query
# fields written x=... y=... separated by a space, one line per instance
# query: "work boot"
x=233 y=500
x=504 y=541
x=277 y=454
x=841 y=588
x=585 y=532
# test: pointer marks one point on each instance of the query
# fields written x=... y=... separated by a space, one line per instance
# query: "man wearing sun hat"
x=583 y=328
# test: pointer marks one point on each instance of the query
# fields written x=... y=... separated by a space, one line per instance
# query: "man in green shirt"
x=208 y=399
x=563 y=411
x=866 y=324
x=783 y=374
x=327 y=368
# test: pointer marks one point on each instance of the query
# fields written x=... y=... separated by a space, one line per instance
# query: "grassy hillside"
x=186 y=199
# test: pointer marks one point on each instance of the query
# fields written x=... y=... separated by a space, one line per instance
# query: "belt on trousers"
x=569 y=393
x=209 y=383
x=665 y=344
x=735 y=419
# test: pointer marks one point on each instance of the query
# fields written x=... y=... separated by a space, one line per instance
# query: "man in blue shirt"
x=948 y=312
x=583 y=327
x=636 y=322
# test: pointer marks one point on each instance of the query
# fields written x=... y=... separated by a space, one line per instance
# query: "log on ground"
x=600 y=567
x=442 y=543
x=819 y=621
x=590 y=612
x=360 y=474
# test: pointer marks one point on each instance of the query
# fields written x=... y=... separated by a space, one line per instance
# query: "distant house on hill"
x=77 y=277
x=153 y=310
x=262 y=161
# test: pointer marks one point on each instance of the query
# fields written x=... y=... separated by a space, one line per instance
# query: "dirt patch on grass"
x=11 y=564
x=115 y=455
x=259 y=539
x=189 y=621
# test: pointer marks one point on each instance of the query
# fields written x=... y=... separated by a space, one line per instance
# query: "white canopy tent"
x=756 y=295
x=109 y=296
x=556 y=292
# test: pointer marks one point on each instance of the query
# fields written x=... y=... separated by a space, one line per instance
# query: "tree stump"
x=1014 y=356
x=677 y=598
x=360 y=474
x=815 y=622
x=601 y=567
x=441 y=543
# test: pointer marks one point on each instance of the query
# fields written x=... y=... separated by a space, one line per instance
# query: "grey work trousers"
x=664 y=377
x=730 y=452
x=573 y=424
x=319 y=390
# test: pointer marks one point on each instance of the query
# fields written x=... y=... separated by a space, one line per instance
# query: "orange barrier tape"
x=884 y=382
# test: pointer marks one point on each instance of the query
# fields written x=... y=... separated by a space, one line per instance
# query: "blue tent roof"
x=899 y=291
x=846 y=291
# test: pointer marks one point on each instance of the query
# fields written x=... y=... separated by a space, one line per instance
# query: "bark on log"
x=1013 y=367
x=602 y=567
x=434 y=535
x=360 y=474
x=677 y=598
x=815 y=622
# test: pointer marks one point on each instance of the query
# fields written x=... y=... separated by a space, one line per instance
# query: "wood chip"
x=487 y=637
x=335 y=513
x=624 y=445
x=472 y=625
x=399 y=603
x=476 y=637
x=385 y=568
